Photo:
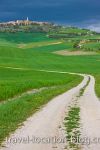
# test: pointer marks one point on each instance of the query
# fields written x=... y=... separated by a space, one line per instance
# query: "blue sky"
x=72 y=12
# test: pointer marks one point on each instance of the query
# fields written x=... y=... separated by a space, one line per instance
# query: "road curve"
x=44 y=124
x=90 y=118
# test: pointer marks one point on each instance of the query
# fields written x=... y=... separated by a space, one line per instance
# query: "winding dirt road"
x=42 y=130
x=90 y=118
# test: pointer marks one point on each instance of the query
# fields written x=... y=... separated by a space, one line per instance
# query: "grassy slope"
x=95 y=46
x=35 y=59
x=15 y=82
x=24 y=37
x=40 y=57
x=13 y=113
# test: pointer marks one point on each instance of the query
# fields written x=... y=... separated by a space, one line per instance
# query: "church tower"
x=27 y=19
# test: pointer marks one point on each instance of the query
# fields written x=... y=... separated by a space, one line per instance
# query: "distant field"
x=21 y=37
x=93 y=46
x=74 y=53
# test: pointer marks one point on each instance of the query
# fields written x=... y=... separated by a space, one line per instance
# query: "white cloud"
x=95 y=27
x=92 y=24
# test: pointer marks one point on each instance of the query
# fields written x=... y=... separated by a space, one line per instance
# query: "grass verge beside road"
x=14 y=113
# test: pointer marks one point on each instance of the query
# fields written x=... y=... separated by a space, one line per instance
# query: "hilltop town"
x=36 y=26
x=22 y=22
x=26 y=26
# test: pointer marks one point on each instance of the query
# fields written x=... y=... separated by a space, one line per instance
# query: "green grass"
x=15 y=82
x=21 y=37
x=92 y=46
x=97 y=85
x=14 y=112
x=72 y=121
x=50 y=48
x=83 y=89
x=33 y=57
x=43 y=58
x=74 y=30
x=40 y=44
x=72 y=124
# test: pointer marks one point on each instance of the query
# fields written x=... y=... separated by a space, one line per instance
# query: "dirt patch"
x=36 y=44
x=75 y=53
x=56 y=43
x=21 y=45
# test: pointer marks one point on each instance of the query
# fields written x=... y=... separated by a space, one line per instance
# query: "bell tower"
x=27 y=19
